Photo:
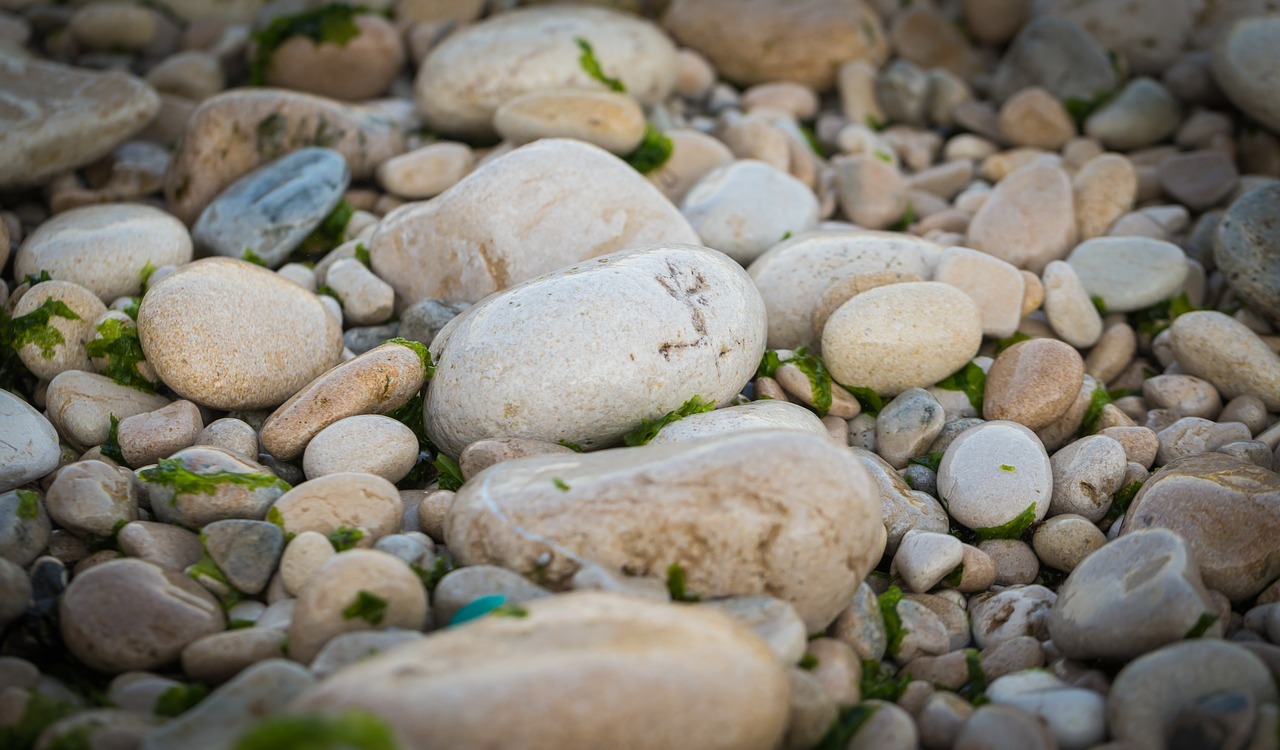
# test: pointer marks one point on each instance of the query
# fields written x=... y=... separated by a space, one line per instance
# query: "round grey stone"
x=1247 y=250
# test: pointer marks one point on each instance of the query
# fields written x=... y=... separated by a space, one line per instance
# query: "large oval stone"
x=580 y=671
x=611 y=341
x=1247 y=250
x=539 y=208
x=783 y=513
x=231 y=335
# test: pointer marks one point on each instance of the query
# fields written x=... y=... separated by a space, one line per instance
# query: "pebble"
x=775 y=621
x=1086 y=473
x=612 y=121
x=1142 y=114
x=104 y=248
x=478 y=237
x=146 y=438
x=756 y=415
x=482 y=454
x=128 y=614
x=872 y=192
x=1057 y=55
x=1242 y=250
x=1105 y=189
x=923 y=559
x=466 y=78
x=231 y=435
x=365 y=298
x=463 y=586
x=980 y=492
x=1034 y=117
x=1183 y=396
x=1029 y=219
x=24 y=526
x=693 y=156
x=812 y=712
x=996 y=726
x=887 y=728
x=303 y=555
x=1063 y=541
x=30 y=449
x=902 y=508
x=92 y=498
x=280 y=339
x=907 y=425
x=530 y=498
x=1244 y=67
x=925 y=634
x=1076 y=717
x=1011 y=613
x=246 y=552
x=215 y=659
x=996 y=287
x=352 y=500
x=1033 y=383
x=360 y=68
x=1223 y=351
x=346 y=649
x=80 y=405
x=368 y=443
x=229 y=499
x=426 y=172
x=46 y=358
x=746 y=207
x=1068 y=306
x=272 y=209
x=1129 y=273
x=704 y=329
x=169 y=547
x=1199 y=180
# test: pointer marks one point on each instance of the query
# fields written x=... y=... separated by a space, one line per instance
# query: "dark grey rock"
x=22 y=536
x=425 y=319
x=246 y=552
x=363 y=338
x=1058 y=55
x=1247 y=250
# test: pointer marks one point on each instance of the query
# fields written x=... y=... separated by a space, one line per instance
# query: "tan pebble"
x=304 y=554
x=793 y=380
x=432 y=511
x=1034 y=117
x=1032 y=293
x=216 y=658
x=1105 y=189
x=1015 y=561
x=361 y=68
x=232 y=435
x=842 y=290
x=80 y=404
x=1068 y=307
x=1033 y=383
x=146 y=438
x=607 y=119
x=795 y=99
x=694 y=75
x=766 y=387
x=426 y=172
x=366 y=443
x=69 y=354
x=693 y=155
x=1113 y=352
x=482 y=454
x=193 y=75
x=1140 y=443
x=838 y=670
x=327 y=503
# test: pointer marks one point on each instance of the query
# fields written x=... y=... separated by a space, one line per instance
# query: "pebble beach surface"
x=671 y=374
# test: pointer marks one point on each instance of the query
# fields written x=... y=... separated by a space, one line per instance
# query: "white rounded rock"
x=612 y=121
x=29 y=449
x=603 y=368
x=368 y=443
x=757 y=415
x=991 y=473
x=747 y=207
x=1129 y=273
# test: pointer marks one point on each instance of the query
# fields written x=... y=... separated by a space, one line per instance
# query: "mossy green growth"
x=144 y=276
x=34 y=328
x=40 y=713
x=975 y=686
x=32 y=279
x=820 y=381
x=28 y=505
x=368 y=607
x=420 y=349
x=250 y=256
x=846 y=726
x=1153 y=320
x=906 y=220
x=170 y=472
x=179 y=699
x=880 y=683
x=930 y=461
x=329 y=291
x=1123 y=498
x=954 y=578
x=509 y=610
x=971 y=380
x=676 y=585
x=131 y=307
x=654 y=150
x=808 y=662
x=331 y=24
x=1099 y=304
x=331 y=231
x=450 y=475
x=1079 y=109
x=571 y=446
x=345 y=538
x=353 y=730
x=79 y=737
x=1206 y=621
x=362 y=255
x=870 y=401
x=1011 y=530
x=111 y=448
x=649 y=428
x=431 y=578
x=1017 y=338
x=888 y=602
x=118 y=342
x=560 y=484
x=1097 y=401
x=590 y=64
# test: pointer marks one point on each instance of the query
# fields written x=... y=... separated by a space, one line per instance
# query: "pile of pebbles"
x=646 y=374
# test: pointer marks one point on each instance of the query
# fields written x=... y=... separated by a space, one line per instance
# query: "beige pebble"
x=366 y=299
x=366 y=443
x=216 y=658
x=193 y=75
x=844 y=289
x=92 y=497
x=325 y=504
x=693 y=155
x=694 y=74
x=361 y=68
x=1062 y=542
x=432 y=510
x=793 y=98
x=837 y=670
x=873 y=193
x=1034 y=117
x=1070 y=311
x=1015 y=561
x=81 y=404
x=112 y=26
x=793 y=380
x=996 y=287
x=232 y=435
x=1223 y=351
x=426 y=172
x=1140 y=443
x=1033 y=383
x=1029 y=219
x=1105 y=189
x=606 y=119
x=1113 y=352
x=147 y=438
x=69 y=354
x=302 y=557
x=1032 y=294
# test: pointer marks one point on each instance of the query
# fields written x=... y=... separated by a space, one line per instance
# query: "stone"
x=923 y=559
x=602 y=491
x=1190 y=436
x=1149 y=34
x=329 y=503
x=426 y=172
x=812 y=712
x=1086 y=473
x=245 y=551
x=362 y=67
x=1244 y=67
x=1143 y=113
x=104 y=248
x=170 y=547
x=872 y=192
x=146 y=438
x=1033 y=383
x=468 y=76
x=482 y=454
x=996 y=726
x=900 y=336
x=746 y=207
x=1104 y=188
x=30 y=448
x=231 y=435
x=1014 y=612
x=127 y=614
x=756 y=415
x=216 y=658
x=907 y=425
x=1226 y=353
x=902 y=508
x=24 y=527
x=982 y=493
x=1029 y=219
x=760 y=41
x=732 y=690
x=902 y=89
x=1129 y=273
x=233 y=133
x=272 y=209
x=693 y=155
x=47 y=358
x=92 y=497
x=610 y=120
x=996 y=287
x=193 y=75
x=887 y=728
x=1068 y=306
x=61 y=118
x=1058 y=55
x=1076 y=717
x=1183 y=396
x=463 y=586
x=228 y=499
x=1063 y=541
x=1199 y=180
x=1034 y=117
x=775 y=621
x=479 y=236
x=1225 y=509
x=81 y=404
x=346 y=649
x=231 y=335
x=1244 y=249
x=1149 y=693
x=368 y=443
x=704 y=329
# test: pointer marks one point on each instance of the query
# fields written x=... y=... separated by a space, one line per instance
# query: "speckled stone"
x=1247 y=250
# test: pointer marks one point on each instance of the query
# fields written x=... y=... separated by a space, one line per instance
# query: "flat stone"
x=1199 y=180
x=1129 y=273
x=981 y=493
x=1033 y=383
x=995 y=286
x=923 y=559
x=1245 y=67
x=907 y=425
x=1028 y=220
x=612 y=121
x=1057 y=55
x=30 y=448
x=1228 y=354
x=1247 y=251
x=245 y=551
x=747 y=207
x=757 y=415
x=1086 y=473
x=1142 y=114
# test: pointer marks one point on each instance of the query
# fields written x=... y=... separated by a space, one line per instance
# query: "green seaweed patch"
x=368 y=607
x=239 y=624
x=32 y=279
x=251 y=257
x=431 y=578
x=207 y=567
x=811 y=140
x=345 y=538
x=28 y=505
x=420 y=349
x=1097 y=402
x=883 y=156
x=111 y=448
x=676 y=585
x=331 y=24
x=974 y=688
x=880 y=682
x=34 y=328
x=908 y=218
x=1122 y=499
x=649 y=428
x=571 y=446
x=118 y=343
x=888 y=602
x=971 y=380
x=179 y=699
x=1206 y=621
x=870 y=401
x=353 y=730
x=509 y=610
x=1080 y=109
x=808 y=662
x=1153 y=320
x=144 y=276
x=954 y=578
x=1099 y=304
x=930 y=461
x=875 y=123
x=329 y=291
x=362 y=255
x=330 y=232
x=560 y=484
x=450 y=476
x=769 y=364
x=171 y=473
x=654 y=150
x=276 y=517
x=40 y=713
x=846 y=726
x=590 y=64
x=819 y=379
x=1017 y=338
x=1011 y=530
x=99 y=542
x=131 y=307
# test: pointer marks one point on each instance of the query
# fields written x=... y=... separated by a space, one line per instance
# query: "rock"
x=1244 y=249
x=1068 y=307
x=887 y=728
x=329 y=503
x=1244 y=67
x=1226 y=509
x=996 y=726
x=92 y=497
x=245 y=551
x=537 y=533
x=147 y=438
x=693 y=155
x=704 y=329
x=482 y=454
x=900 y=336
x=479 y=236
x=467 y=77
x=61 y=349
x=128 y=614
x=24 y=527
x=1033 y=383
x=1142 y=114
x=996 y=287
x=578 y=643
x=747 y=207
x=1029 y=219
x=426 y=172
x=757 y=415
x=775 y=621
x=233 y=133
x=463 y=586
x=981 y=492
x=170 y=547
x=368 y=443
x=1149 y=34
x=104 y=248
x=1129 y=273
x=278 y=338
x=1086 y=474
x=1184 y=396
x=223 y=498
x=902 y=508
x=1199 y=180
x=760 y=41
x=355 y=590
x=907 y=425
x=872 y=192
x=1104 y=607
x=81 y=404
x=1224 y=718
x=30 y=448
x=273 y=208
x=612 y=121
x=1034 y=117
x=61 y=118
x=1059 y=56
x=1149 y=693
x=1223 y=351
x=216 y=658
x=1105 y=189
x=812 y=711
x=359 y=68
x=924 y=558
x=348 y=648
x=1190 y=436
x=1076 y=717
x=1014 y=612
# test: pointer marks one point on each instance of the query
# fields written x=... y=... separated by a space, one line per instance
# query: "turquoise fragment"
x=478 y=608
